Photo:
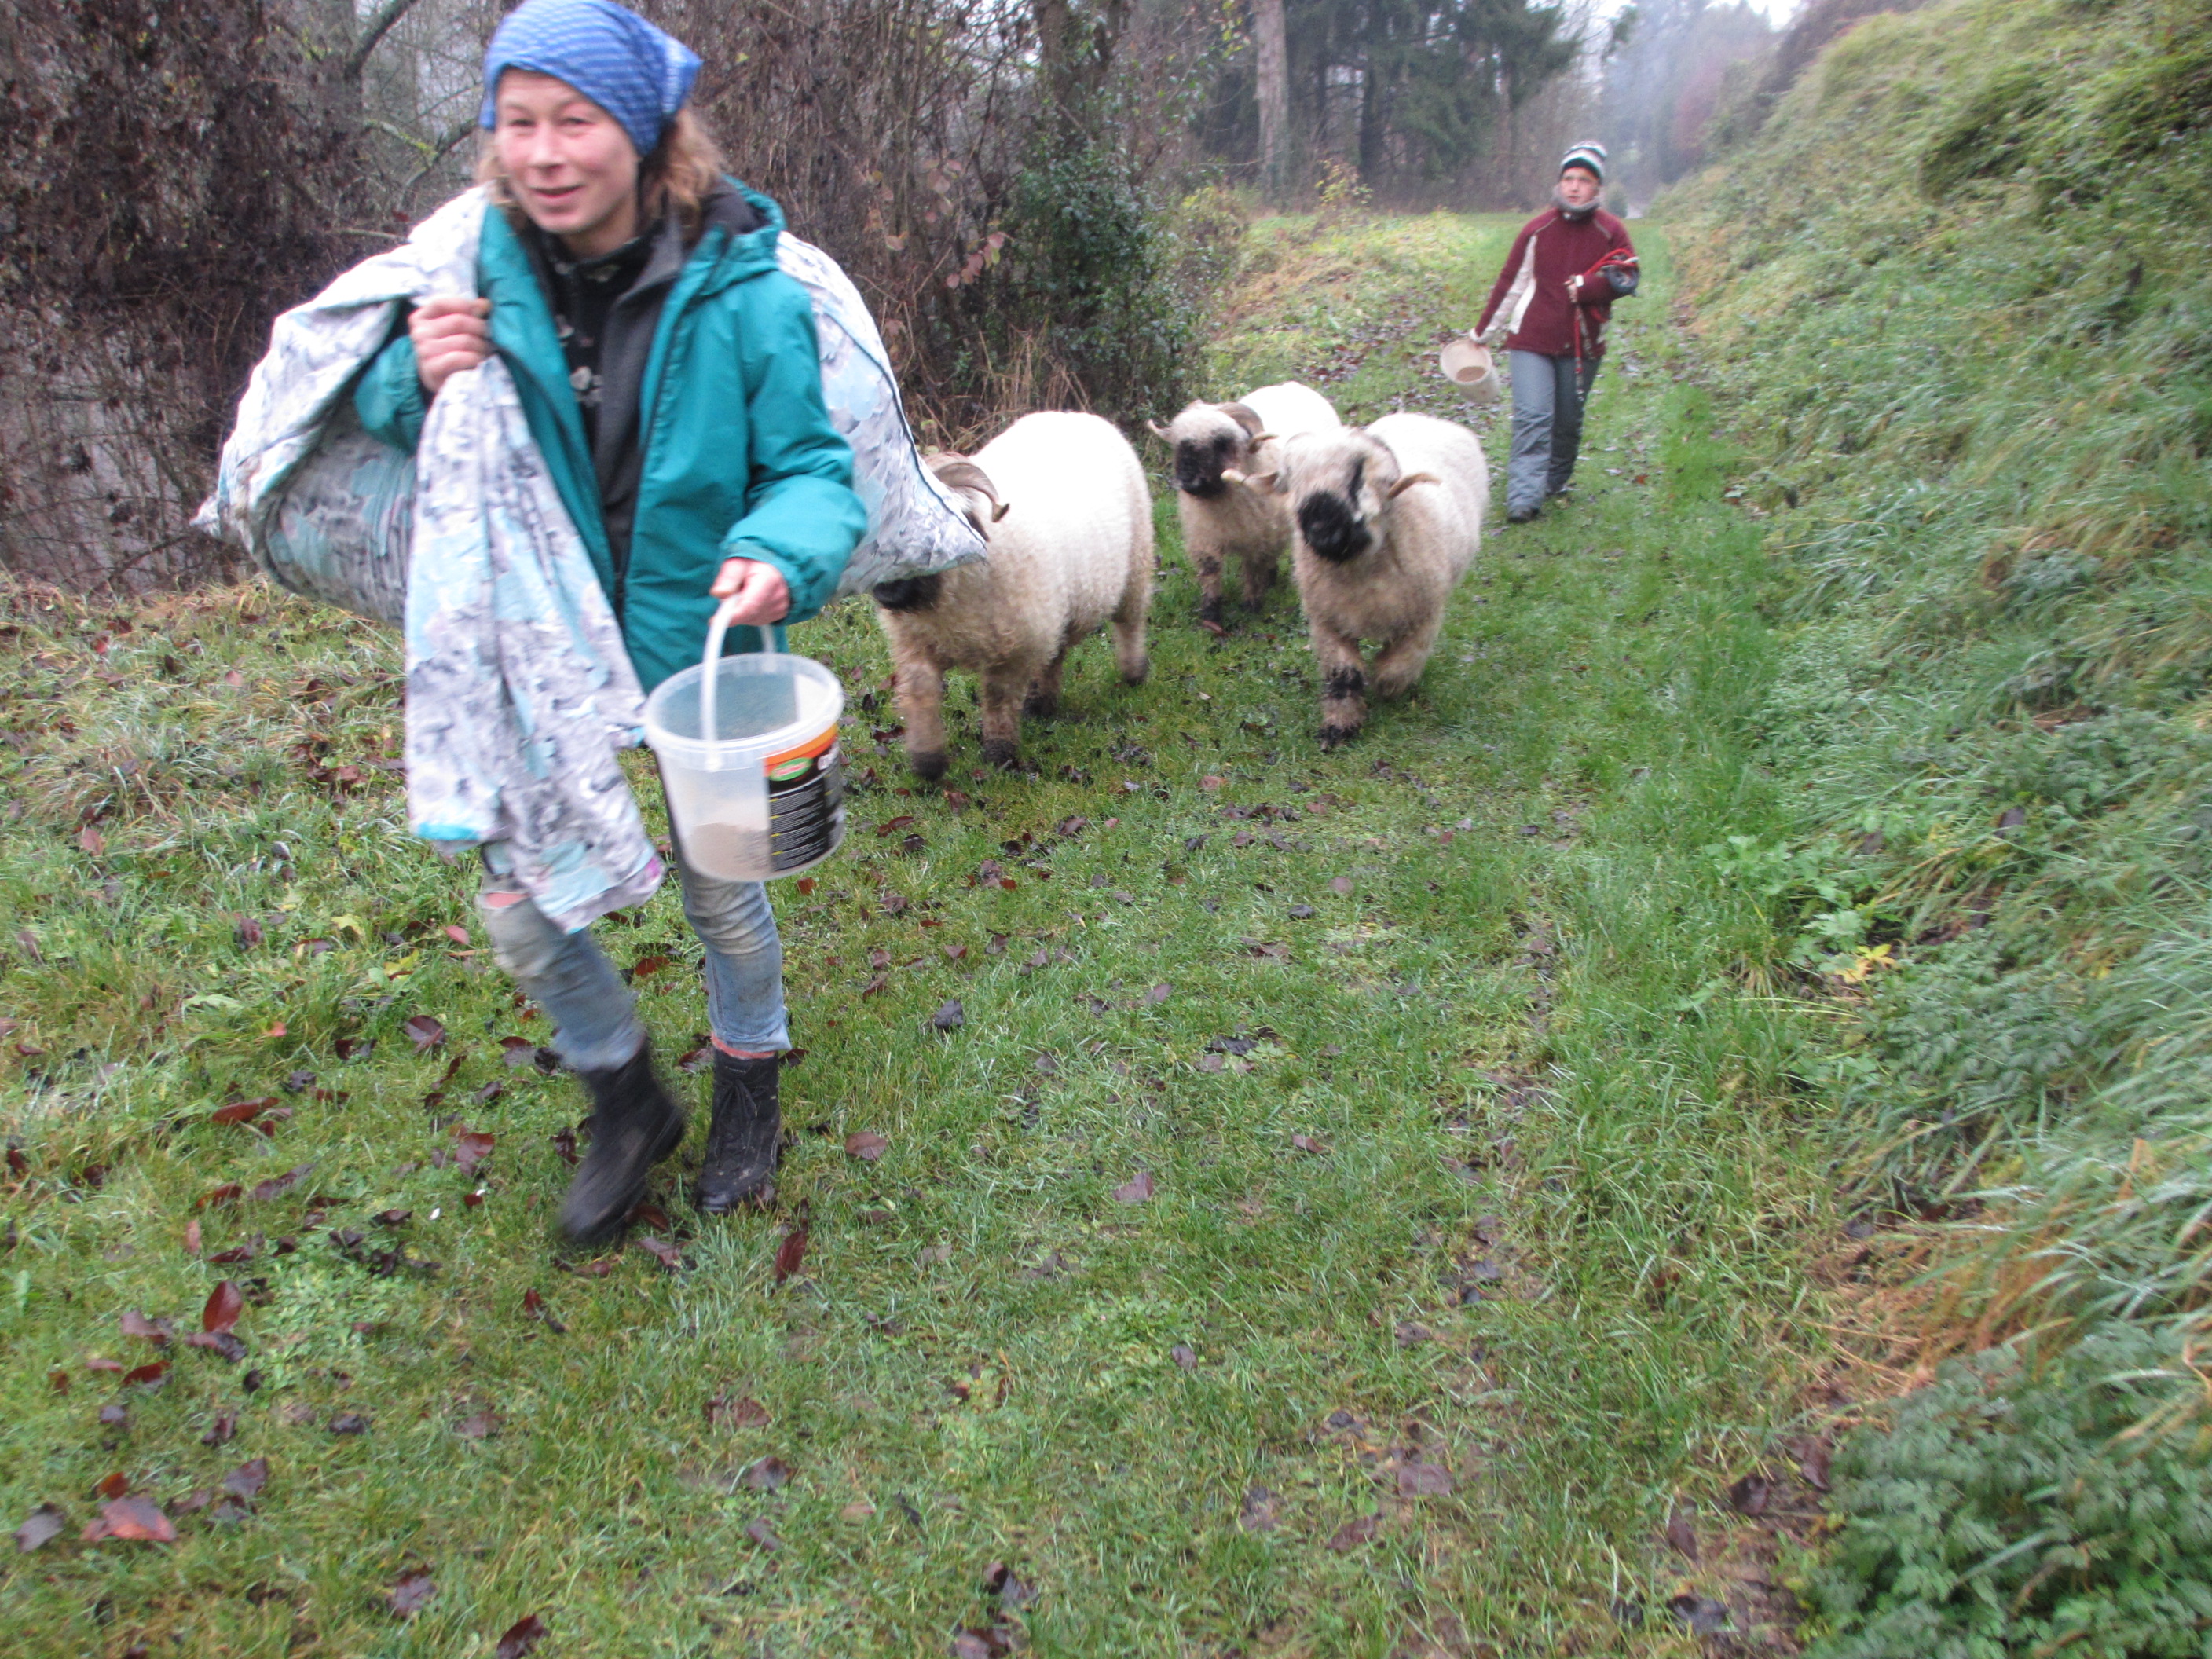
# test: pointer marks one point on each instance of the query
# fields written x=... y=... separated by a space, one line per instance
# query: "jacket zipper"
x=645 y=431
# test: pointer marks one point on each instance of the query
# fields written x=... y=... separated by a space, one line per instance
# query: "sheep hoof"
x=928 y=763
x=1335 y=737
x=1212 y=625
x=1005 y=755
x=1038 y=706
x=1138 y=675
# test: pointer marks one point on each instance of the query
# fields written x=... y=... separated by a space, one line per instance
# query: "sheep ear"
x=1407 y=482
x=1262 y=481
x=1244 y=415
x=1159 y=432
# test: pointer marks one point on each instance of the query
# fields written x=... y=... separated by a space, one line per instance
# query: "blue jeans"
x=1547 y=425
x=595 y=1016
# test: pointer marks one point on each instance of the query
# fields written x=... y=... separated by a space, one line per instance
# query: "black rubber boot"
x=635 y=1124
x=739 y=1168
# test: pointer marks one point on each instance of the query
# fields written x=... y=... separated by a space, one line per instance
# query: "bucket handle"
x=715 y=631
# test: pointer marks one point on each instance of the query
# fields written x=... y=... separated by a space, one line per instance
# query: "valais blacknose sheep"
x=1389 y=518
x=1061 y=500
x=1216 y=446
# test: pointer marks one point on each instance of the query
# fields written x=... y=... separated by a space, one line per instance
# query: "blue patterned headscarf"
x=630 y=69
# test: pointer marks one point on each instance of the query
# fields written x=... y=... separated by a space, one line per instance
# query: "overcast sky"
x=1778 y=11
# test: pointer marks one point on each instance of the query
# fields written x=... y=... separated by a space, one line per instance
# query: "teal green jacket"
x=739 y=459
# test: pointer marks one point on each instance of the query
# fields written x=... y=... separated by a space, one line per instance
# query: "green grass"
x=1954 y=300
x=1517 y=1179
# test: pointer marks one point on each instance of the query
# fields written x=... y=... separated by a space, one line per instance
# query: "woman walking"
x=669 y=375
x=1549 y=306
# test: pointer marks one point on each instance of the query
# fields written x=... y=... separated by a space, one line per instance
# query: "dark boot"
x=739 y=1167
x=634 y=1125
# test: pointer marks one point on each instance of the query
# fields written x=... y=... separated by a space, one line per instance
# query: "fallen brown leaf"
x=277 y=1186
x=1135 y=1190
x=224 y=1304
x=410 y=1592
x=533 y=1304
x=742 y=1413
x=766 y=1475
x=1681 y=1536
x=156 y=1331
x=246 y=1481
x=1352 y=1533
x=1424 y=1481
x=139 y=1519
x=791 y=1253
x=43 y=1526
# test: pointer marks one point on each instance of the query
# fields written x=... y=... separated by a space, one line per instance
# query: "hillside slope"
x=1958 y=298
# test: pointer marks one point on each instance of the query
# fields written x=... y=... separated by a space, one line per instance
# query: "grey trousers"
x=1547 y=425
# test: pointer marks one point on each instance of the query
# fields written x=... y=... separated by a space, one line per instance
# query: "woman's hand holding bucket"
x=751 y=591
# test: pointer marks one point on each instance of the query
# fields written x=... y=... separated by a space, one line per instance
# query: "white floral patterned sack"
x=326 y=510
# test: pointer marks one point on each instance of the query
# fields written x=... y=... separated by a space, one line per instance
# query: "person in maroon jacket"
x=1549 y=308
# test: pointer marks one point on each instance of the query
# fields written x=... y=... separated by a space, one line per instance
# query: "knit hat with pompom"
x=1588 y=157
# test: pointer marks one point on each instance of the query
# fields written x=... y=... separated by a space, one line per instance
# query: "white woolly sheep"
x=1061 y=499
x=1389 y=518
x=1223 y=518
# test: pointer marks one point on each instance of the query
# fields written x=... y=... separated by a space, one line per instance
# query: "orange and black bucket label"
x=805 y=802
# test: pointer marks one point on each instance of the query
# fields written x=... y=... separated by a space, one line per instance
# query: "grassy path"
x=1362 y=1201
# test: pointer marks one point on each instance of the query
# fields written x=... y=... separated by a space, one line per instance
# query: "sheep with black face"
x=1387 y=517
x=1216 y=446
x=1060 y=500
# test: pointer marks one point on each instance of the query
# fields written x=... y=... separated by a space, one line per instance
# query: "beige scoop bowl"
x=1467 y=365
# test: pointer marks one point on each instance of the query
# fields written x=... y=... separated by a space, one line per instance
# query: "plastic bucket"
x=1466 y=364
x=748 y=751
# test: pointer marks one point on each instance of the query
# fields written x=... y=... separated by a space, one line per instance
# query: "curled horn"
x=1160 y=432
x=1245 y=416
x=1407 y=482
x=958 y=472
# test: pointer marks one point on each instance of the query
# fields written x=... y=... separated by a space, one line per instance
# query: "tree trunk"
x=1269 y=35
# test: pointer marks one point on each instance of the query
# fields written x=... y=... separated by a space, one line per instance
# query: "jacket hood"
x=746 y=224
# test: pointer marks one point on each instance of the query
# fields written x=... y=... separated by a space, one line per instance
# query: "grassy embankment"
x=1960 y=299
x=1484 y=1201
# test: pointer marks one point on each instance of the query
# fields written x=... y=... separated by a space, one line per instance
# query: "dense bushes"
x=175 y=176
x=1959 y=283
